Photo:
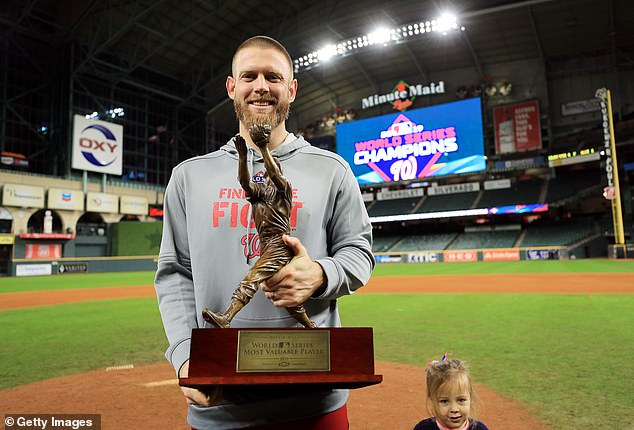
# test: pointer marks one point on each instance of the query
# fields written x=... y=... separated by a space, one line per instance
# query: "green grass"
x=94 y=280
x=44 y=342
x=508 y=267
x=75 y=280
x=568 y=358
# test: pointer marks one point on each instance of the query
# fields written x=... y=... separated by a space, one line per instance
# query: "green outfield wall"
x=136 y=238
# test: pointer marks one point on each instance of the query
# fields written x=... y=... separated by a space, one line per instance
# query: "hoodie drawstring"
x=248 y=238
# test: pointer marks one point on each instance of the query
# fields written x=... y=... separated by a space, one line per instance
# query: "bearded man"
x=209 y=243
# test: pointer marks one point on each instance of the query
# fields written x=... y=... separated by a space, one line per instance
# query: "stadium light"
x=445 y=23
x=381 y=36
x=326 y=53
x=110 y=113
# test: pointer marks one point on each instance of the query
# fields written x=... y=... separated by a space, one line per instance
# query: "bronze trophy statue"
x=331 y=357
x=271 y=203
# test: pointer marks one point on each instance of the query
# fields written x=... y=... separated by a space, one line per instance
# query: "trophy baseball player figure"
x=271 y=203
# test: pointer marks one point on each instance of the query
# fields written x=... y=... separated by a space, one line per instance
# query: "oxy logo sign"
x=97 y=146
x=93 y=149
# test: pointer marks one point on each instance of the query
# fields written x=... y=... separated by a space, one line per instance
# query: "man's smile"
x=261 y=103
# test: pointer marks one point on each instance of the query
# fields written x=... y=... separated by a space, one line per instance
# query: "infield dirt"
x=149 y=395
x=541 y=283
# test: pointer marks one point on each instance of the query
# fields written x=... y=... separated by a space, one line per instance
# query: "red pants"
x=336 y=420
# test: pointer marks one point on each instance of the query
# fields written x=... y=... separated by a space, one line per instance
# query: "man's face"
x=261 y=87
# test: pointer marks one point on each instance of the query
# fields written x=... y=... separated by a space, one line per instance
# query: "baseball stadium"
x=491 y=143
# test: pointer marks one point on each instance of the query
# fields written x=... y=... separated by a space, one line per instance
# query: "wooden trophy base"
x=331 y=357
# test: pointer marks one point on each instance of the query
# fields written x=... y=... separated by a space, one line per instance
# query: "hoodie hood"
x=291 y=144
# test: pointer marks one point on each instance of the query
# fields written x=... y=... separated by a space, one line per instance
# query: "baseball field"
x=550 y=344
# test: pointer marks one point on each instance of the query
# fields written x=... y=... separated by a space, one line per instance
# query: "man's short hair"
x=263 y=42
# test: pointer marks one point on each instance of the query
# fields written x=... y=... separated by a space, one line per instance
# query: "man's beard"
x=275 y=118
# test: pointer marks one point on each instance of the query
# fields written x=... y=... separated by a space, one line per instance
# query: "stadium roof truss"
x=179 y=51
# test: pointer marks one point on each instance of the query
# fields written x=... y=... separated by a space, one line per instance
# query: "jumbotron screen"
x=439 y=140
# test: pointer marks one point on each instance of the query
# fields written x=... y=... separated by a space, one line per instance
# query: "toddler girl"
x=450 y=396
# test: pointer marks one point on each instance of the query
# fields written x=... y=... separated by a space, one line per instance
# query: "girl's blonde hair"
x=439 y=374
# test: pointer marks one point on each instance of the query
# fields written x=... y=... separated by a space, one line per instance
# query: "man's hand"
x=197 y=397
x=297 y=281
x=241 y=146
x=260 y=134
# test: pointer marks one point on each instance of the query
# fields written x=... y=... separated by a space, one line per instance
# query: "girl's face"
x=453 y=403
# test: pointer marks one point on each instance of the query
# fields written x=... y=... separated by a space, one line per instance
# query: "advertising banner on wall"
x=72 y=268
x=542 y=254
x=156 y=211
x=460 y=256
x=388 y=258
x=25 y=196
x=13 y=160
x=33 y=269
x=403 y=95
x=97 y=146
x=439 y=140
x=580 y=106
x=517 y=127
x=501 y=255
x=101 y=202
x=39 y=250
x=423 y=257
x=385 y=194
x=466 y=187
x=72 y=200
x=133 y=205
x=7 y=239
x=497 y=184
x=519 y=164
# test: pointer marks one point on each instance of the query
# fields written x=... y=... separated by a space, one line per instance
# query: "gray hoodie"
x=208 y=245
